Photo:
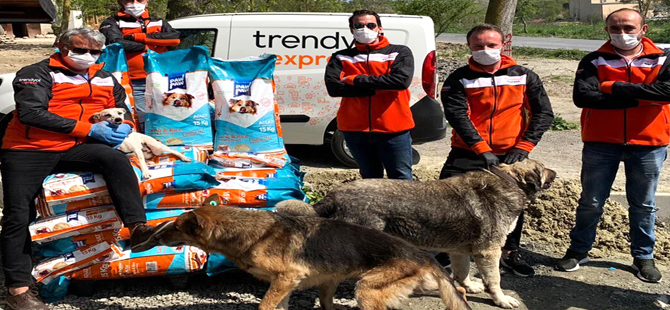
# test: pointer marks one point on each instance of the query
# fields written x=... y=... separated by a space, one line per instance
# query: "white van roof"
x=298 y=13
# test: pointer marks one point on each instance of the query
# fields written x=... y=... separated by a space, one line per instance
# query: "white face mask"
x=365 y=35
x=80 y=62
x=625 y=41
x=135 y=9
x=486 y=57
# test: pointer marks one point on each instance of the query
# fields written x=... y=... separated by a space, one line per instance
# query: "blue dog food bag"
x=178 y=111
x=246 y=112
x=114 y=58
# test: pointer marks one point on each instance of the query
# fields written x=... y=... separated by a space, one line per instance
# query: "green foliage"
x=535 y=52
x=443 y=12
x=312 y=195
x=572 y=30
x=560 y=123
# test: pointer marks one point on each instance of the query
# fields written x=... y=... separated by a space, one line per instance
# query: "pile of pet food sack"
x=237 y=159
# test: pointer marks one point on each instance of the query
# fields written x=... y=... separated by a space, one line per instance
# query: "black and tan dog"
x=468 y=215
x=297 y=252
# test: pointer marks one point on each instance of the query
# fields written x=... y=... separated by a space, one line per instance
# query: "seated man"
x=50 y=131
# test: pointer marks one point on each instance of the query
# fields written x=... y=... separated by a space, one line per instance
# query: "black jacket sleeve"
x=113 y=34
x=32 y=93
x=586 y=91
x=337 y=88
x=541 y=114
x=167 y=33
x=455 y=102
x=399 y=78
x=658 y=91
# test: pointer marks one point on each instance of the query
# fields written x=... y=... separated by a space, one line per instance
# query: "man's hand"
x=490 y=159
x=515 y=155
x=102 y=132
x=122 y=129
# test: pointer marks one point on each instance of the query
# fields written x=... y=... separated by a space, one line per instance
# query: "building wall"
x=584 y=10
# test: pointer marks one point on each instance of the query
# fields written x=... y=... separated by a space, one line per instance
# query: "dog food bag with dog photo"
x=74 y=223
x=246 y=111
x=179 y=177
x=53 y=267
x=71 y=244
x=161 y=260
x=178 y=110
x=114 y=58
x=63 y=188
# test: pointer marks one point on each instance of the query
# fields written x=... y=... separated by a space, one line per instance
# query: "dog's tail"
x=296 y=208
x=452 y=297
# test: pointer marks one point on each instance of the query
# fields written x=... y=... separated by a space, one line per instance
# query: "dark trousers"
x=461 y=161
x=22 y=175
x=376 y=151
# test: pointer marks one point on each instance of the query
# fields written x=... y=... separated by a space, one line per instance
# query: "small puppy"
x=243 y=106
x=178 y=100
x=142 y=146
x=298 y=252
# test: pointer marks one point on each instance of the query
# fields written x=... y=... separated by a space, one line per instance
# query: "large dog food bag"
x=179 y=177
x=114 y=58
x=61 y=189
x=71 y=244
x=246 y=117
x=53 y=267
x=160 y=260
x=74 y=223
x=178 y=110
x=154 y=218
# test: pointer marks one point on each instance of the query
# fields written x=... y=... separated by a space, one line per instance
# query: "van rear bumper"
x=429 y=123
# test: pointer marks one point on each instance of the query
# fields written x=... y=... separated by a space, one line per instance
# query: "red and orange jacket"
x=624 y=103
x=496 y=112
x=373 y=82
x=54 y=105
x=137 y=36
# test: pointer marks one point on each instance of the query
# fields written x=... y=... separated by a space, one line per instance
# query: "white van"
x=303 y=43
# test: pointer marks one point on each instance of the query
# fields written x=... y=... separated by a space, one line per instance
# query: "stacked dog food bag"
x=238 y=160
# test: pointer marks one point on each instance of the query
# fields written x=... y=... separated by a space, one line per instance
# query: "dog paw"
x=474 y=287
x=507 y=302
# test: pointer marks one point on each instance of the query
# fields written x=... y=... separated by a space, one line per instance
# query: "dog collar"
x=501 y=174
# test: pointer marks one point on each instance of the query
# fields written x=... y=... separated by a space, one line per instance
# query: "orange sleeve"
x=525 y=145
x=81 y=129
x=349 y=79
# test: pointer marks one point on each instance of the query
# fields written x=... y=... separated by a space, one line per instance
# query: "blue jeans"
x=139 y=87
x=600 y=162
x=375 y=151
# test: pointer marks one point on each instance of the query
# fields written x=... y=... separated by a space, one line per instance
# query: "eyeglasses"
x=370 y=26
x=84 y=51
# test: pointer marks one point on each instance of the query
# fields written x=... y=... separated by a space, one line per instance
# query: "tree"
x=65 y=17
x=443 y=12
x=501 y=14
x=644 y=6
x=526 y=9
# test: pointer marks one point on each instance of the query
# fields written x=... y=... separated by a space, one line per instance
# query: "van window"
x=192 y=37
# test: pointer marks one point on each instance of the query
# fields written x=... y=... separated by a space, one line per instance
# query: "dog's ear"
x=549 y=176
x=96 y=117
x=193 y=224
x=190 y=96
x=165 y=95
x=212 y=200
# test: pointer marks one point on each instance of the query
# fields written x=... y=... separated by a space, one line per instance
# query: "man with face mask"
x=138 y=32
x=498 y=111
x=624 y=91
x=51 y=132
x=373 y=79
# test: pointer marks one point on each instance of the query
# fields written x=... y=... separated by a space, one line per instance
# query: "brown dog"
x=178 y=100
x=467 y=215
x=298 y=252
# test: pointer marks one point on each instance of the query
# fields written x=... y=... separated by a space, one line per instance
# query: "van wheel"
x=341 y=151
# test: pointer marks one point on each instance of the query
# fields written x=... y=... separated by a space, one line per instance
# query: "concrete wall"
x=583 y=10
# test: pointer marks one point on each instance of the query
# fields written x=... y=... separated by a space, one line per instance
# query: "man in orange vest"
x=138 y=32
x=623 y=89
x=51 y=132
x=373 y=80
x=499 y=112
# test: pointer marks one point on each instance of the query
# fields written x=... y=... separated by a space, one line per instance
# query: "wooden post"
x=501 y=14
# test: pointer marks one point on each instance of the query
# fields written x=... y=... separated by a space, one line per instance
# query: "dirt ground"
x=606 y=283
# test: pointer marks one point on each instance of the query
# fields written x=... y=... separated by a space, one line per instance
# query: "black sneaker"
x=142 y=237
x=571 y=260
x=646 y=270
x=519 y=266
x=443 y=259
